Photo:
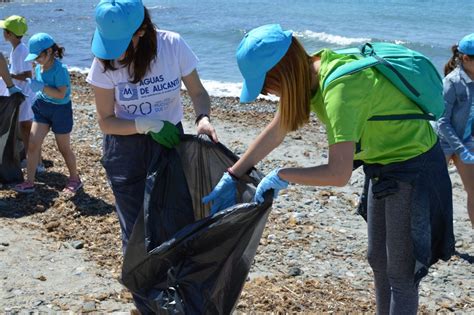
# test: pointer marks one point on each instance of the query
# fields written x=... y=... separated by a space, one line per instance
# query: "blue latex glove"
x=271 y=181
x=35 y=85
x=14 y=89
x=466 y=156
x=223 y=195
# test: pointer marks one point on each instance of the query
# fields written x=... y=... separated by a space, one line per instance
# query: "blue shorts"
x=449 y=151
x=57 y=116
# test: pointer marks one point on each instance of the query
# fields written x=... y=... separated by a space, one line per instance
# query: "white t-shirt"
x=158 y=93
x=18 y=65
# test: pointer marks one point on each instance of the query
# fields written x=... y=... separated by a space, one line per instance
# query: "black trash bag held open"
x=179 y=258
x=10 y=169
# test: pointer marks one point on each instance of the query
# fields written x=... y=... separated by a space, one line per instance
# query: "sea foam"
x=228 y=89
x=332 y=39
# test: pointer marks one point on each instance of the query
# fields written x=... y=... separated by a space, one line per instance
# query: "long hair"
x=291 y=76
x=138 y=60
x=58 y=51
x=455 y=60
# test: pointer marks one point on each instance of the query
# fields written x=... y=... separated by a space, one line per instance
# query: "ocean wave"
x=332 y=39
x=228 y=89
x=83 y=70
x=400 y=42
x=156 y=7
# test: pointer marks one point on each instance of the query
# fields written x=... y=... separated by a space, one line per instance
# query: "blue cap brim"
x=109 y=49
x=251 y=89
x=31 y=57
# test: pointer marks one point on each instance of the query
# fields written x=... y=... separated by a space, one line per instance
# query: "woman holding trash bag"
x=409 y=180
x=136 y=77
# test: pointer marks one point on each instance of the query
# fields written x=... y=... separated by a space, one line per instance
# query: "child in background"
x=14 y=27
x=455 y=128
x=52 y=109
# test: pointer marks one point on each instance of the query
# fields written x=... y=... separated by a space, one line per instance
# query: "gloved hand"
x=223 y=195
x=271 y=181
x=466 y=156
x=163 y=132
x=35 y=85
x=168 y=136
x=14 y=89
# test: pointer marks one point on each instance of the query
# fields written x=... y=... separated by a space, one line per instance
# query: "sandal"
x=72 y=186
x=24 y=187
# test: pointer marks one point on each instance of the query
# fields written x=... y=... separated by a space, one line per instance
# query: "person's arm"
x=4 y=73
x=108 y=122
x=336 y=173
x=22 y=76
x=445 y=126
x=269 y=139
x=201 y=103
x=61 y=82
x=224 y=193
x=59 y=92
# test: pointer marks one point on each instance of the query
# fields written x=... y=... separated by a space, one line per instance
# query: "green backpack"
x=411 y=72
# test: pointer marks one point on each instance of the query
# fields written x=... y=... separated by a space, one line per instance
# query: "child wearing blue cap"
x=52 y=109
x=409 y=186
x=136 y=76
x=456 y=127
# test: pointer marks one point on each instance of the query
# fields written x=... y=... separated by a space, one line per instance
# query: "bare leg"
x=25 y=129
x=466 y=171
x=64 y=146
x=37 y=135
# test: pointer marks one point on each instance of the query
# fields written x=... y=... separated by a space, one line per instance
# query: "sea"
x=214 y=28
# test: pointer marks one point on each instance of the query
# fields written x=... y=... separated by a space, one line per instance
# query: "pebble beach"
x=60 y=253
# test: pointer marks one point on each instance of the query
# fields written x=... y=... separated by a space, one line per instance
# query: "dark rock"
x=77 y=244
x=295 y=271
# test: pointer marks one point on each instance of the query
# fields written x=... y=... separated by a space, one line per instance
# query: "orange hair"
x=291 y=77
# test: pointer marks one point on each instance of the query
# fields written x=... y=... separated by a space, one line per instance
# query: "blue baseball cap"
x=259 y=51
x=466 y=45
x=38 y=43
x=116 y=21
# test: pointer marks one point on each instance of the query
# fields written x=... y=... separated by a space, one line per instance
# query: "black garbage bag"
x=179 y=258
x=10 y=169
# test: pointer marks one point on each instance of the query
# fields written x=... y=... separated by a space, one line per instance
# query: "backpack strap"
x=350 y=68
x=398 y=74
x=368 y=50
x=402 y=117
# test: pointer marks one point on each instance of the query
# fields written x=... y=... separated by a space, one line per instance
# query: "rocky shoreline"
x=311 y=257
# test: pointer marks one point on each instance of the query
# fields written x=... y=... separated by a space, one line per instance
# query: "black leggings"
x=390 y=252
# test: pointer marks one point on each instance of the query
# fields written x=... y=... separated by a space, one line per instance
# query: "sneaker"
x=40 y=168
x=72 y=186
x=24 y=187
